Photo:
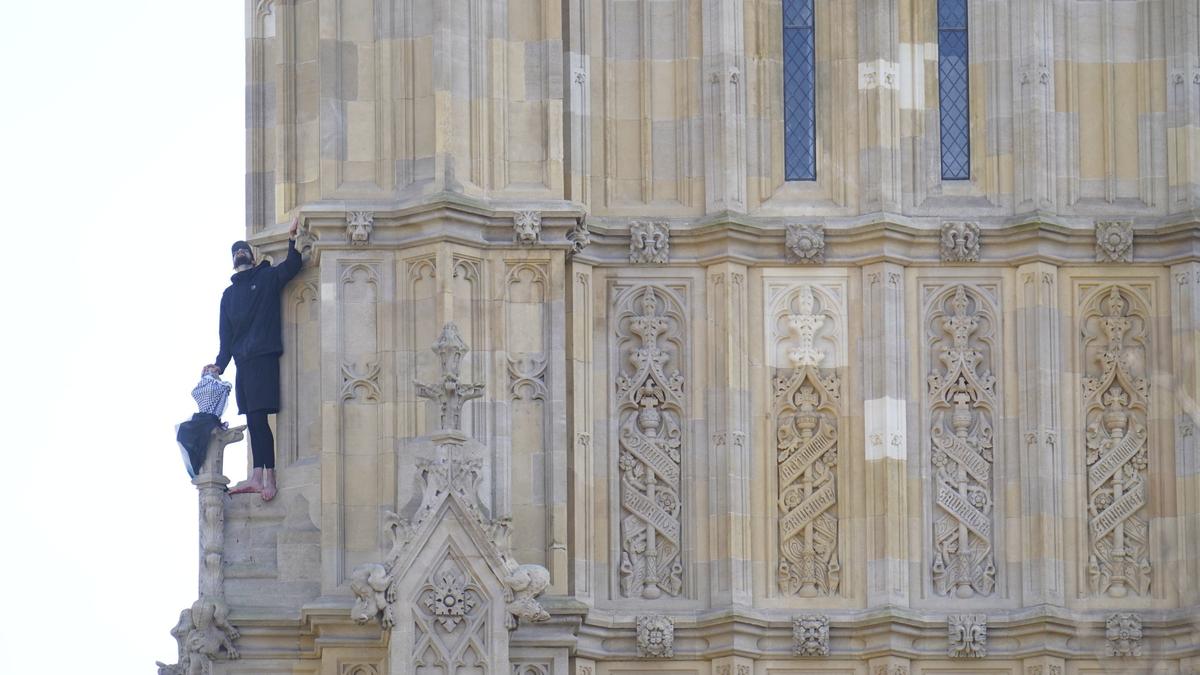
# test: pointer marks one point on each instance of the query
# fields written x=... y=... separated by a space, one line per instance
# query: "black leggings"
x=262 y=443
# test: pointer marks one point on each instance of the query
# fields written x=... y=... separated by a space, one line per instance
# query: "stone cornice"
x=761 y=634
x=755 y=241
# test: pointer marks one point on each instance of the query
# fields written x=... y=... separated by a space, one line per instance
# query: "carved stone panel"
x=649 y=242
x=655 y=637
x=450 y=615
x=960 y=242
x=968 y=636
x=805 y=243
x=807 y=403
x=961 y=329
x=810 y=635
x=650 y=405
x=1123 y=634
x=1114 y=241
x=1116 y=394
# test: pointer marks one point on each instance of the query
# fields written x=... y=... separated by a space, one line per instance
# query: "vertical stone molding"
x=1116 y=392
x=1185 y=366
x=650 y=408
x=807 y=405
x=1114 y=241
x=962 y=407
x=959 y=242
x=649 y=242
x=805 y=243
x=655 y=637
x=968 y=636
x=1123 y=634
x=810 y=635
x=885 y=391
x=730 y=452
x=1042 y=465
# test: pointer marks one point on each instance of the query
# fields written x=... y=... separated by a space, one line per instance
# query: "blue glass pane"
x=953 y=91
x=797 y=13
x=799 y=91
x=952 y=14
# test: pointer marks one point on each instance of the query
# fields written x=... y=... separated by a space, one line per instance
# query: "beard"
x=243 y=257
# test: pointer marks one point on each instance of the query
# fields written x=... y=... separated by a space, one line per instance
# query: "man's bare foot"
x=252 y=484
x=268 y=490
x=246 y=486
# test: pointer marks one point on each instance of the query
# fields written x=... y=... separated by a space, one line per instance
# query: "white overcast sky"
x=121 y=188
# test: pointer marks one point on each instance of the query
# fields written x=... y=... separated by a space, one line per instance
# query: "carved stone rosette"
x=962 y=406
x=805 y=243
x=1116 y=395
x=1123 y=634
x=649 y=242
x=810 y=635
x=806 y=436
x=968 y=636
x=650 y=407
x=655 y=637
x=1114 y=241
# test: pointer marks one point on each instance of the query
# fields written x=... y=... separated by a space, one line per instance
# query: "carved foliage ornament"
x=655 y=637
x=810 y=635
x=527 y=227
x=1114 y=241
x=359 y=225
x=650 y=408
x=806 y=435
x=962 y=406
x=968 y=635
x=805 y=243
x=1116 y=395
x=649 y=242
x=959 y=242
x=1123 y=634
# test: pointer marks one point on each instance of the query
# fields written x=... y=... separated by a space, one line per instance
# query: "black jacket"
x=250 y=310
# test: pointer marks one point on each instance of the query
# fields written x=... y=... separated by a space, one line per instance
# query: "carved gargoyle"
x=370 y=582
x=526 y=582
x=202 y=633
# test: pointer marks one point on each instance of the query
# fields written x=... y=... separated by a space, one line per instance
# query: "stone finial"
x=959 y=242
x=1123 y=631
x=655 y=637
x=810 y=635
x=359 y=225
x=806 y=243
x=649 y=242
x=1114 y=241
x=579 y=236
x=527 y=227
x=968 y=636
x=449 y=393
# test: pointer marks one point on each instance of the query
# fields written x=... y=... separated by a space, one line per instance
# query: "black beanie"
x=237 y=245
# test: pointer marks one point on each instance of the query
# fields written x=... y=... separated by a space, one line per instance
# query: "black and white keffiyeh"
x=211 y=394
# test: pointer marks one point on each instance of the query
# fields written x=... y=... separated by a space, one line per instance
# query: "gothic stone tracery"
x=1116 y=394
x=650 y=407
x=962 y=395
x=806 y=434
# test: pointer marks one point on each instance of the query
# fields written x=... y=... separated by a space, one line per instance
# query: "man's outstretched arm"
x=291 y=265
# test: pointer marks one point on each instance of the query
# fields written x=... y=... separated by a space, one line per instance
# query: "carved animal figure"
x=369 y=583
x=526 y=582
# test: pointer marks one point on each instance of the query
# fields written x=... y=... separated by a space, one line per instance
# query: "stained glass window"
x=799 y=91
x=953 y=90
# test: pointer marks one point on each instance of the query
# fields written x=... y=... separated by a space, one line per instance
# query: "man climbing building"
x=250 y=334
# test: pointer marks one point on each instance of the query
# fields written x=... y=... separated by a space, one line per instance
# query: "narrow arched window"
x=953 y=103
x=799 y=91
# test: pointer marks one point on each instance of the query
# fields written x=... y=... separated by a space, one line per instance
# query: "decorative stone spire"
x=450 y=394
